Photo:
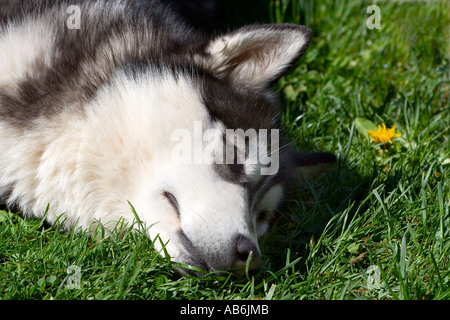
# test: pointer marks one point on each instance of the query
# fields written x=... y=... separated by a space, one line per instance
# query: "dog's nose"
x=246 y=250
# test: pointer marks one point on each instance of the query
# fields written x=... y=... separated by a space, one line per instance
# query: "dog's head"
x=217 y=182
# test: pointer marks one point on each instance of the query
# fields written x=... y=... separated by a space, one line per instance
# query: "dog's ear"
x=256 y=56
x=308 y=166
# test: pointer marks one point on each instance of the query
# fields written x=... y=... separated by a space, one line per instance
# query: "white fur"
x=22 y=48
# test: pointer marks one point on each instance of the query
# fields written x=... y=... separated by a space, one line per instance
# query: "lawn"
x=376 y=226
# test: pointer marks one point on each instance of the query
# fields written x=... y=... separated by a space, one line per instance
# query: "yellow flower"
x=382 y=134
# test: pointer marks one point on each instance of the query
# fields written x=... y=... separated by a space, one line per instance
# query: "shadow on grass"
x=304 y=218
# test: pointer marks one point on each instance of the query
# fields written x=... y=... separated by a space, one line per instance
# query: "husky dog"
x=91 y=96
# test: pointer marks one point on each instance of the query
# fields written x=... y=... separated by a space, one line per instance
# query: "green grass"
x=380 y=210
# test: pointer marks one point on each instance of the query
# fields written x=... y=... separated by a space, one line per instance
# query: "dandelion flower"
x=382 y=134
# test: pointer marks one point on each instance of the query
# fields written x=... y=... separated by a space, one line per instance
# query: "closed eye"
x=172 y=200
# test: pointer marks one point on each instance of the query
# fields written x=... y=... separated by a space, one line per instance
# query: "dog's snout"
x=244 y=256
x=246 y=252
x=244 y=247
